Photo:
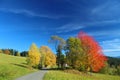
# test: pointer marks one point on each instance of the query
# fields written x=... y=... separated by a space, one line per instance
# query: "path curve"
x=34 y=76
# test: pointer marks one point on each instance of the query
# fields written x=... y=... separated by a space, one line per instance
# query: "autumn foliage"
x=7 y=52
x=95 y=57
x=33 y=58
x=48 y=58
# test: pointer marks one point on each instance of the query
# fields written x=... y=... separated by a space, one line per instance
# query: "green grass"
x=12 y=67
x=60 y=75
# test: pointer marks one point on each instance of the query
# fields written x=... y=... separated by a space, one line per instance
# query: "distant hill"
x=113 y=61
x=118 y=57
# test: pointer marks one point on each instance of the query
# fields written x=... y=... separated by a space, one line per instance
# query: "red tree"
x=96 y=58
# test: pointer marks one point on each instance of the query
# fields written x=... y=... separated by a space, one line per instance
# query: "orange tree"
x=6 y=51
x=95 y=57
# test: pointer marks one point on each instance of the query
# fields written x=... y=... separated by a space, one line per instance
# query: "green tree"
x=33 y=58
x=60 y=57
x=24 y=53
x=17 y=54
x=74 y=53
x=59 y=46
x=13 y=52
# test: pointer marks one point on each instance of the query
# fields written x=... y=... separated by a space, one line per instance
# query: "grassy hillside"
x=12 y=67
x=60 y=75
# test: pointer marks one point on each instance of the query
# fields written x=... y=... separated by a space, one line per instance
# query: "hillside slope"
x=12 y=67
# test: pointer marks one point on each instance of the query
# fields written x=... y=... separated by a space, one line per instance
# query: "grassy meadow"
x=60 y=75
x=12 y=67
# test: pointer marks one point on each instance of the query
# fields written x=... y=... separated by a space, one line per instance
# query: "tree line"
x=14 y=52
x=82 y=53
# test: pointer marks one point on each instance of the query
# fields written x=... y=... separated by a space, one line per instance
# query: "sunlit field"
x=12 y=67
x=60 y=75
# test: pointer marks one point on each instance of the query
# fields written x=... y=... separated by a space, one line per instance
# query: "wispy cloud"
x=69 y=27
x=30 y=13
x=108 y=10
x=105 y=32
x=77 y=26
x=111 y=41
x=111 y=50
x=111 y=46
x=103 y=22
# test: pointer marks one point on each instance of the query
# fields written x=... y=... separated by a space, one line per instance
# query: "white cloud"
x=76 y=26
x=111 y=41
x=103 y=22
x=69 y=27
x=30 y=13
x=105 y=33
x=111 y=46
x=110 y=9
x=111 y=50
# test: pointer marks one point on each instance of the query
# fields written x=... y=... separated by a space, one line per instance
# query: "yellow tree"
x=33 y=58
x=48 y=57
x=43 y=51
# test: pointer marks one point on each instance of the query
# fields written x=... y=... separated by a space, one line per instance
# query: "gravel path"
x=34 y=76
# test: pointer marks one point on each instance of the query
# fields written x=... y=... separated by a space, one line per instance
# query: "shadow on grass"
x=24 y=63
x=20 y=65
x=51 y=69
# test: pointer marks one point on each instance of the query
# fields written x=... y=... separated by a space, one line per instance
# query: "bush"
x=112 y=71
x=109 y=70
x=118 y=70
x=105 y=69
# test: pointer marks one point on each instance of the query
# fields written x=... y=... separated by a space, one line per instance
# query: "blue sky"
x=25 y=21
